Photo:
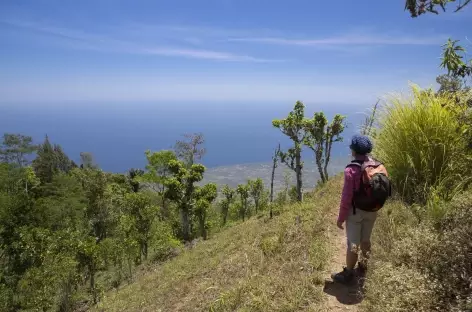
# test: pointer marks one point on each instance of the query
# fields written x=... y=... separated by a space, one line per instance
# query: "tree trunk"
x=203 y=232
x=272 y=181
x=298 y=171
x=225 y=213
x=92 y=283
x=145 y=249
x=185 y=224
x=318 y=158
x=329 y=144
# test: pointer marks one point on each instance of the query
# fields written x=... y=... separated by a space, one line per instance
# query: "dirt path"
x=339 y=297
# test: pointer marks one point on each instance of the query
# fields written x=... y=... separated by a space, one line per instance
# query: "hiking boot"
x=361 y=268
x=344 y=277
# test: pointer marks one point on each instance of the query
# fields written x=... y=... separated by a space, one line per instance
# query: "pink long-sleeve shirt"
x=352 y=179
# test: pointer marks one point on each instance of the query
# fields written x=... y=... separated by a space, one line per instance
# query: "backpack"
x=374 y=188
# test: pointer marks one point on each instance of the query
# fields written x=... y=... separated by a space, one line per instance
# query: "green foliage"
x=15 y=148
x=421 y=266
x=204 y=197
x=420 y=141
x=293 y=126
x=453 y=61
x=142 y=214
x=256 y=190
x=320 y=138
x=49 y=161
x=419 y=7
x=226 y=202
x=243 y=191
x=181 y=189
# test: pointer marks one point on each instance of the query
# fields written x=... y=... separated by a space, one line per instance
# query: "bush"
x=421 y=267
x=420 y=140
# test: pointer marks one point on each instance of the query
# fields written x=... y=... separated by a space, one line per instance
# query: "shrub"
x=421 y=142
x=421 y=267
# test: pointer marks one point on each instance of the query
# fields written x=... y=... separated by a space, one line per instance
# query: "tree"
x=275 y=160
x=181 y=189
x=419 y=7
x=452 y=59
x=243 y=191
x=158 y=172
x=50 y=160
x=134 y=177
x=256 y=190
x=15 y=149
x=139 y=207
x=226 y=202
x=204 y=197
x=87 y=160
x=294 y=127
x=190 y=150
x=45 y=162
x=320 y=138
x=449 y=83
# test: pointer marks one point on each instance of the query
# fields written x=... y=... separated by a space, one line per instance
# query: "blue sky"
x=217 y=51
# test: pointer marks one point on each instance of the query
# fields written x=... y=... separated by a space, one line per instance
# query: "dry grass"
x=419 y=265
x=260 y=265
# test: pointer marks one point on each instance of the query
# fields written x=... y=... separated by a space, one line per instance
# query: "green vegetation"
x=247 y=267
x=315 y=133
x=421 y=240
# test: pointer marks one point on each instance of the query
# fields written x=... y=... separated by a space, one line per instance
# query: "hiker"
x=366 y=187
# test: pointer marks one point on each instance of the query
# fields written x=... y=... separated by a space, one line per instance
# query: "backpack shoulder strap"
x=357 y=163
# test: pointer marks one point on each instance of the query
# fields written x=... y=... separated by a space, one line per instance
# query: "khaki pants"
x=359 y=227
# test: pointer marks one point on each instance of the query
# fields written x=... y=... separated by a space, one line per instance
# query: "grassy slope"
x=259 y=265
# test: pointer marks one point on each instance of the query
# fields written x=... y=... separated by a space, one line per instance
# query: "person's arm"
x=347 y=194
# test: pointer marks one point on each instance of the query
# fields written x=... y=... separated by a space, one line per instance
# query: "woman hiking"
x=366 y=187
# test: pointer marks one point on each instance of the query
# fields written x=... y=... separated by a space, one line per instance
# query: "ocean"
x=118 y=134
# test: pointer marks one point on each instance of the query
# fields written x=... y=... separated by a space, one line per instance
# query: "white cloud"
x=82 y=40
x=347 y=40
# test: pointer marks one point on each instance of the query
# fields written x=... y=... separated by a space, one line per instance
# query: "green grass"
x=420 y=140
x=259 y=265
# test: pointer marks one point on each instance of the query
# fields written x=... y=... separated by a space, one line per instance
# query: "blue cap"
x=361 y=144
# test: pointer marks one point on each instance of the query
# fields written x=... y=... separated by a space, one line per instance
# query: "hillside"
x=259 y=265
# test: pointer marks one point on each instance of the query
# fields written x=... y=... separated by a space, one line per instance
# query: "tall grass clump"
x=420 y=140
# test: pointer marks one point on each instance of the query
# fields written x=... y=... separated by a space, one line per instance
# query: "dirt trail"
x=340 y=297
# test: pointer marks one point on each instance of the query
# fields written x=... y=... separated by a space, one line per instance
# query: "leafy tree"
x=204 y=197
x=243 y=191
x=86 y=160
x=15 y=149
x=449 y=83
x=256 y=190
x=181 y=189
x=294 y=127
x=320 y=138
x=143 y=214
x=50 y=160
x=133 y=177
x=419 y=7
x=158 y=172
x=190 y=150
x=64 y=164
x=226 y=202
x=453 y=60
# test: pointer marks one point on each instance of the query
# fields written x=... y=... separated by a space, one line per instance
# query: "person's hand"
x=340 y=224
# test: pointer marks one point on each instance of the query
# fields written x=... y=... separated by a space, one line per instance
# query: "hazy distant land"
x=237 y=174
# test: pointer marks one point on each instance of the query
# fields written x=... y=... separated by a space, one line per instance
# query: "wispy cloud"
x=82 y=40
x=347 y=40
